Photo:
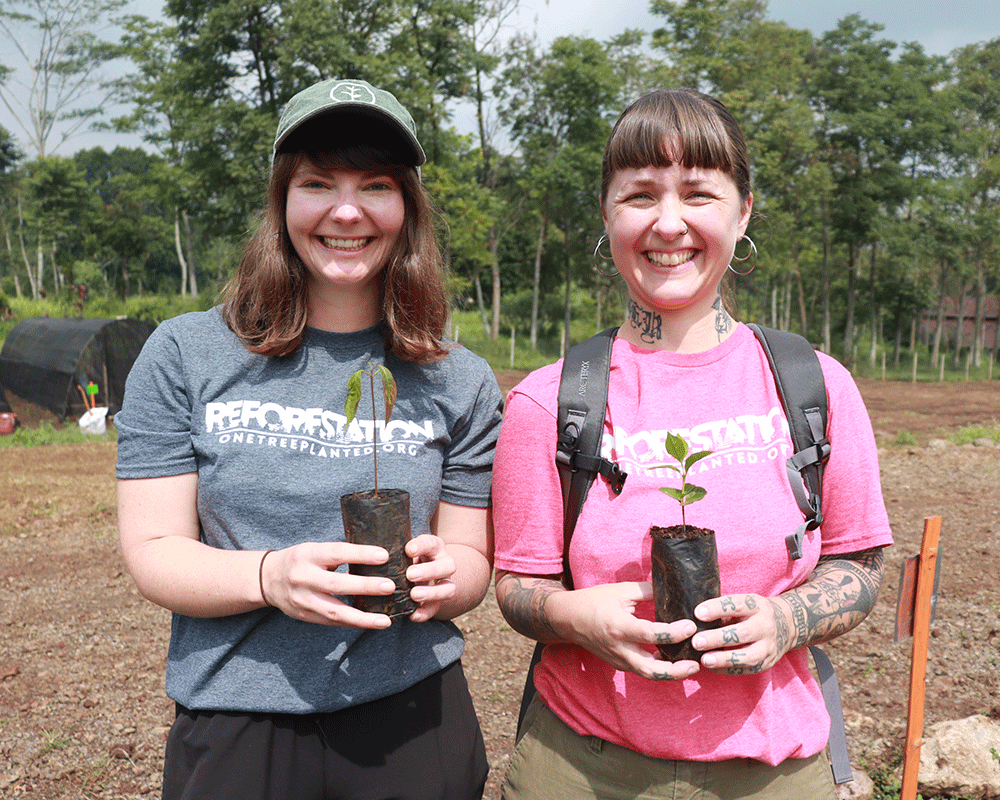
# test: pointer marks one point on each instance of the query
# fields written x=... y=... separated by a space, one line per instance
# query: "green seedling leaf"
x=388 y=390
x=677 y=494
x=695 y=458
x=676 y=447
x=694 y=494
x=353 y=396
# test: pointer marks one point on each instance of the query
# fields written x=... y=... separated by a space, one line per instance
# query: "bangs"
x=675 y=126
x=357 y=157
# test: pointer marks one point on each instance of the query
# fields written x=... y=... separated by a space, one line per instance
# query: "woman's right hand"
x=302 y=582
x=600 y=619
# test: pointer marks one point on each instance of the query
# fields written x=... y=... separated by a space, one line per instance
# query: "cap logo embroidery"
x=351 y=92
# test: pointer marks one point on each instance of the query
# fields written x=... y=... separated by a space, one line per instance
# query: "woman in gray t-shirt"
x=234 y=449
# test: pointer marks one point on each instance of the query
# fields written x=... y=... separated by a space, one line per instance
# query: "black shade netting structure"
x=47 y=361
x=4 y=405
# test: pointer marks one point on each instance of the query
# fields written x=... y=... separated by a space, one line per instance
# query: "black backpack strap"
x=840 y=760
x=802 y=388
x=799 y=378
x=583 y=402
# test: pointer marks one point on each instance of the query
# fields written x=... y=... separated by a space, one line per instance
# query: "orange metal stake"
x=918 y=665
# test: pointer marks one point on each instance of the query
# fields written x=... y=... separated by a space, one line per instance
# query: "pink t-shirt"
x=723 y=400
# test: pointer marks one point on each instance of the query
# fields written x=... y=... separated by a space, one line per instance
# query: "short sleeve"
x=854 y=514
x=154 y=425
x=468 y=460
x=527 y=498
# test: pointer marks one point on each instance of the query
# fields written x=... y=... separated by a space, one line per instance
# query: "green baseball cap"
x=337 y=97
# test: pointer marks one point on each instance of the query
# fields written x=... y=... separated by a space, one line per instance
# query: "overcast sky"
x=939 y=25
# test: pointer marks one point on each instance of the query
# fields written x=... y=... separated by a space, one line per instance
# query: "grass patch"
x=46 y=433
x=970 y=434
x=904 y=439
x=53 y=741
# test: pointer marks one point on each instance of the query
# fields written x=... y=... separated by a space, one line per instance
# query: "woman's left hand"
x=757 y=631
x=753 y=637
x=431 y=572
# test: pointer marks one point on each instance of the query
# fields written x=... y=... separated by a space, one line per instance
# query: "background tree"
x=59 y=80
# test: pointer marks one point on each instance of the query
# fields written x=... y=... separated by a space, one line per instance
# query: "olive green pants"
x=553 y=762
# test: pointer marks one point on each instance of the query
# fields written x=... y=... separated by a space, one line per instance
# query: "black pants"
x=421 y=744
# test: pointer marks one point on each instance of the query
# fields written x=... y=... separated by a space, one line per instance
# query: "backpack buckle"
x=616 y=477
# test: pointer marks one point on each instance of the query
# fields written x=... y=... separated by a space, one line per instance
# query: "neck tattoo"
x=647 y=324
x=723 y=322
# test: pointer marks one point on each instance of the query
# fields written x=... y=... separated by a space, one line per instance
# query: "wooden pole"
x=918 y=666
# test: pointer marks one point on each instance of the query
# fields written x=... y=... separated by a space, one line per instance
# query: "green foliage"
x=874 y=165
x=969 y=434
x=46 y=433
x=904 y=438
x=150 y=308
x=678 y=449
x=354 y=391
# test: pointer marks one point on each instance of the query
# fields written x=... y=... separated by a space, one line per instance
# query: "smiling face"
x=672 y=231
x=344 y=225
x=675 y=197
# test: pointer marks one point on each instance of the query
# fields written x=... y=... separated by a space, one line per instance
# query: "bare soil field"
x=82 y=708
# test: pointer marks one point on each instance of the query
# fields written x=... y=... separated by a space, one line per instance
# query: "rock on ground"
x=861 y=788
x=961 y=757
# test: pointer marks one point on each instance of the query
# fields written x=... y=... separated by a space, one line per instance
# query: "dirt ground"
x=82 y=708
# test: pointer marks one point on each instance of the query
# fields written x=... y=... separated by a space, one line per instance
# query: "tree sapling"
x=688 y=493
x=354 y=398
x=685 y=561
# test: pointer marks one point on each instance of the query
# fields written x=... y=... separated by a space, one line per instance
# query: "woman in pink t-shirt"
x=612 y=718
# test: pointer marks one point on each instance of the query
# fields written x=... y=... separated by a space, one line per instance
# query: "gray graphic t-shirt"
x=274 y=453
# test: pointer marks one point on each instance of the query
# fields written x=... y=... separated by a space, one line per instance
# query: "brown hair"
x=666 y=123
x=683 y=124
x=265 y=303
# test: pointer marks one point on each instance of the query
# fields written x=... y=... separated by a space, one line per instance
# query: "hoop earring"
x=599 y=256
x=751 y=252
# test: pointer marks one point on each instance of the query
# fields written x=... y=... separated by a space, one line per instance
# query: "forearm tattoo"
x=839 y=594
x=522 y=602
x=648 y=324
x=723 y=322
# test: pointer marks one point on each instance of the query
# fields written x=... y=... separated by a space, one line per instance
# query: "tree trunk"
x=180 y=252
x=786 y=309
x=40 y=267
x=827 y=338
x=479 y=302
x=192 y=271
x=10 y=252
x=494 y=244
x=568 y=313
x=979 y=337
x=939 y=328
x=849 y=321
x=24 y=251
x=874 y=312
x=537 y=286
x=960 y=317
